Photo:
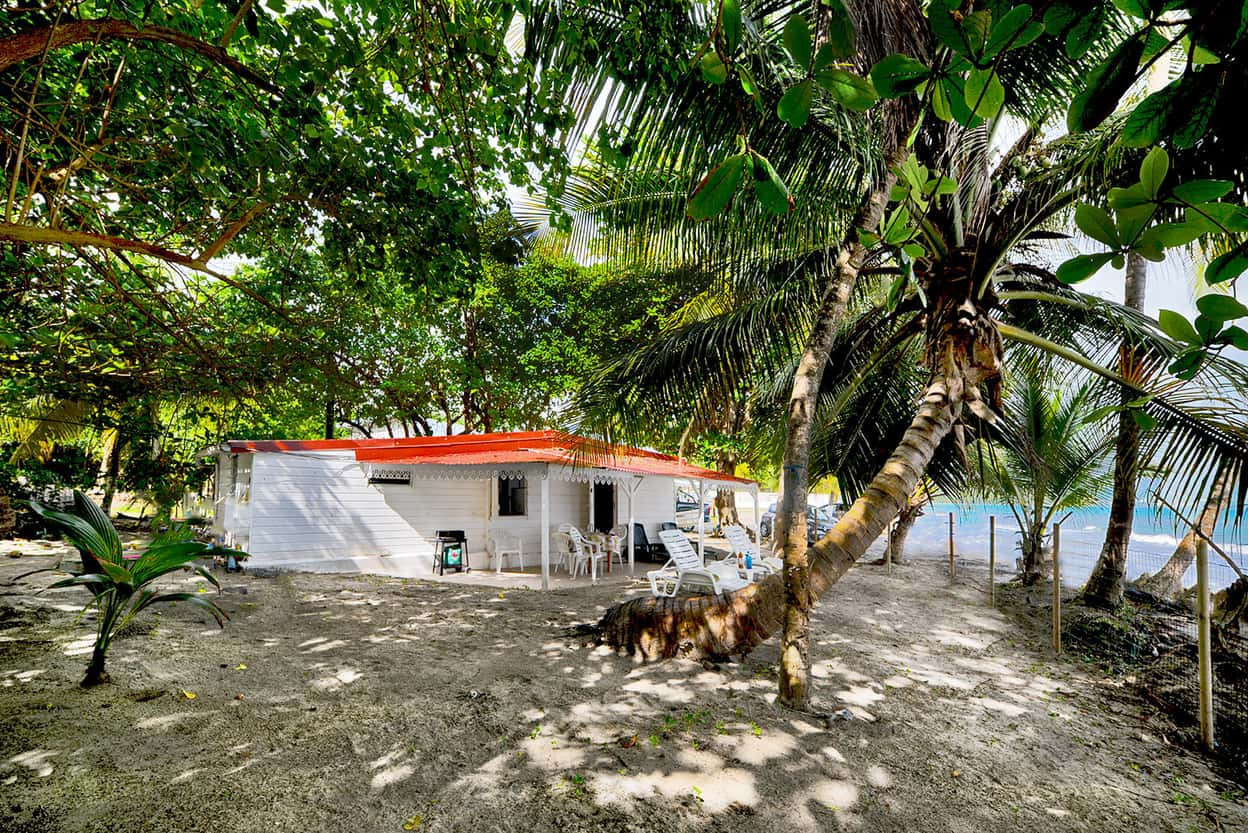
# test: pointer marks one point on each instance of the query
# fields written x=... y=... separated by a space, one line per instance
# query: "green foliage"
x=1048 y=453
x=119 y=584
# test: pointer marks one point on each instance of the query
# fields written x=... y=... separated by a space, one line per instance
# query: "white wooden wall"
x=317 y=511
x=654 y=503
x=569 y=503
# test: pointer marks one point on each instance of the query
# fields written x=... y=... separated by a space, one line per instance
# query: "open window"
x=512 y=497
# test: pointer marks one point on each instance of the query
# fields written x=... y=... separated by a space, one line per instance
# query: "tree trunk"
x=963 y=351
x=329 y=419
x=910 y=513
x=1168 y=581
x=726 y=499
x=790 y=521
x=1035 y=565
x=112 y=467
x=1105 y=585
x=96 y=675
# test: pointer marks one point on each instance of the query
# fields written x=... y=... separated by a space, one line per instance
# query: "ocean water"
x=1153 y=539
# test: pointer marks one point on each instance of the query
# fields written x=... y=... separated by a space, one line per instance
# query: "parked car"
x=819 y=520
x=687 y=512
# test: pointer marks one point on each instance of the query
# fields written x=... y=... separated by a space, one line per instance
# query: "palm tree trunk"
x=1105 y=585
x=112 y=467
x=905 y=522
x=790 y=521
x=963 y=352
x=1168 y=581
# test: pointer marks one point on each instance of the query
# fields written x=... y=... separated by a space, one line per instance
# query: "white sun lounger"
x=739 y=541
x=685 y=569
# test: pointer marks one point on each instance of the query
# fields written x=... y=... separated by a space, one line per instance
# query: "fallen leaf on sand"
x=189 y=695
x=957 y=773
x=628 y=742
x=242 y=666
x=412 y=823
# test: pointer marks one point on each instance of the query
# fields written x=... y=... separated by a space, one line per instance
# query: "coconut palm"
x=1046 y=456
x=968 y=241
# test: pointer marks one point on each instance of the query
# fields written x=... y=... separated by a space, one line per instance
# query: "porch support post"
x=633 y=484
x=545 y=527
x=701 y=522
x=758 y=531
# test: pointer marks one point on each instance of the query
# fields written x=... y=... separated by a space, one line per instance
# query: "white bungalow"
x=376 y=505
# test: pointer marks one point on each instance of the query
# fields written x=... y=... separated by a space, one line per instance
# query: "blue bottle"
x=749 y=561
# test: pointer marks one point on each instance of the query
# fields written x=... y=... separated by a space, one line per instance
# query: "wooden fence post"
x=888 y=547
x=951 y=568
x=1205 y=647
x=1057 y=588
x=992 y=560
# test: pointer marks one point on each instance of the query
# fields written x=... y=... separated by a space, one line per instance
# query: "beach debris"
x=189 y=695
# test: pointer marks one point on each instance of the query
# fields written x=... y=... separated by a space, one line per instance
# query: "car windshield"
x=822 y=513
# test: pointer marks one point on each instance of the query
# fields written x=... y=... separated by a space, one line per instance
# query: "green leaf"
x=1218 y=217
x=1153 y=170
x=1202 y=190
x=1124 y=198
x=984 y=93
x=1221 y=307
x=1187 y=365
x=1096 y=223
x=730 y=20
x=1106 y=86
x=1014 y=29
x=714 y=70
x=1236 y=336
x=1132 y=221
x=1082 y=267
x=1145 y=421
x=853 y=92
x=897 y=228
x=898 y=75
x=897 y=291
x=769 y=188
x=1135 y=8
x=840 y=31
x=794 y=106
x=796 y=39
x=1170 y=235
x=716 y=189
x=1085 y=30
x=1149 y=120
x=915 y=250
x=749 y=85
x=1227 y=267
x=1178 y=327
x=1207 y=328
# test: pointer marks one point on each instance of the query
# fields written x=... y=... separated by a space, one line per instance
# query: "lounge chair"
x=643 y=550
x=739 y=541
x=685 y=569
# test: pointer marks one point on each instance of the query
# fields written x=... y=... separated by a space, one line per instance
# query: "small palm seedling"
x=119 y=581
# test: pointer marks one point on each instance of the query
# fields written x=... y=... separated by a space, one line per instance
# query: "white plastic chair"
x=587 y=554
x=502 y=545
x=739 y=541
x=685 y=569
x=564 y=550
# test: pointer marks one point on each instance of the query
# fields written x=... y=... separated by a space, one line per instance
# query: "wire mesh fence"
x=1153 y=638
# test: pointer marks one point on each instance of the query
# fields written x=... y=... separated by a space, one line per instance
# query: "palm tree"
x=1045 y=457
x=950 y=310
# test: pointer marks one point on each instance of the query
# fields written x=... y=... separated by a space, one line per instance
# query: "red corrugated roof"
x=506 y=448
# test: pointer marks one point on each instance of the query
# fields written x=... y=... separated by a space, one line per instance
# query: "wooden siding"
x=316 y=511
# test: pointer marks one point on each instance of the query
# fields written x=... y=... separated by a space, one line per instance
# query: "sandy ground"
x=335 y=703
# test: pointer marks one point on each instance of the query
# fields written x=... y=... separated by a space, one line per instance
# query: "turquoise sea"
x=1153 y=539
